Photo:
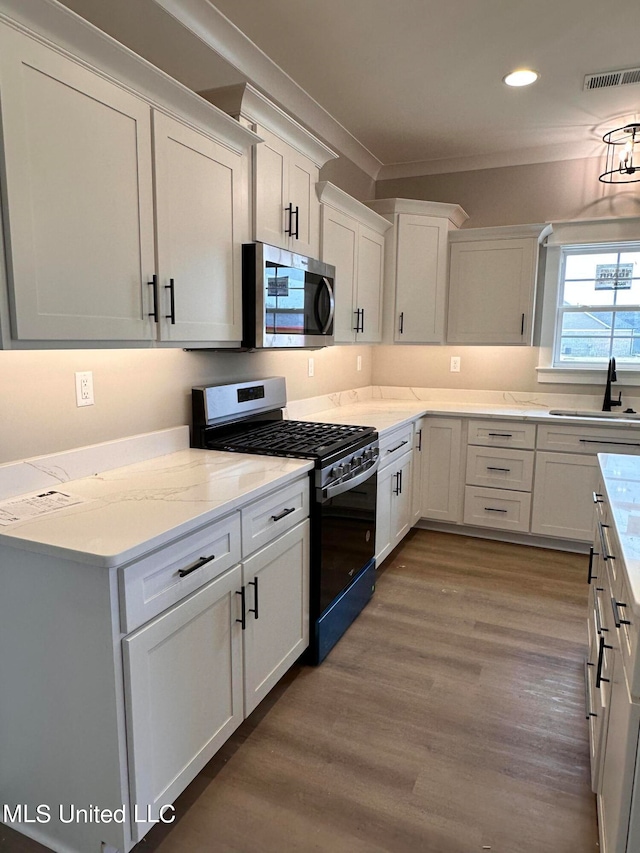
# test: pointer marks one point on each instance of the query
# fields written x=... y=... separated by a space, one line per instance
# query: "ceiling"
x=404 y=87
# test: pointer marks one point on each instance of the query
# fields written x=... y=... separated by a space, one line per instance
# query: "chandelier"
x=620 y=167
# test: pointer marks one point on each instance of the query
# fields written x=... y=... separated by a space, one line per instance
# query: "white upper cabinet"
x=80 y=157
x=286 y=211
x=352 y=239
x=416 y=268
x=77 y=155
x=492 y=284
x=201 y=209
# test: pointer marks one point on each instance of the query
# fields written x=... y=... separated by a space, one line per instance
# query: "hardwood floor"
x=449 y=719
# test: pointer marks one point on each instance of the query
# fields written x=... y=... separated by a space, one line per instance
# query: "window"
x=598 y=308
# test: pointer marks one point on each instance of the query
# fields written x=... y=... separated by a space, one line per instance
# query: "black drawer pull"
x=243 y=604
x=614 y=443
x=597 y=498
x=602 y=647
x=493 y=509
x=587 y=702
x=254 y=584
x=590 y=575
x=493 y=468
x=616 y=613
x=397 y=447
x=284 y=512
x=605 y=551
x=501 y=434
x=202 y=561
x=419 y=447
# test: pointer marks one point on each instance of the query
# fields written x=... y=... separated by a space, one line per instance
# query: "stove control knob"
x=357 y=461
x=338 y=471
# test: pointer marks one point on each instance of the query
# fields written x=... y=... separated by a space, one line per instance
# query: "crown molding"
x=331 y=195
x=501 y=232
x=222 y=36
x=389 y=206
x=517 y=157
x=243 y=101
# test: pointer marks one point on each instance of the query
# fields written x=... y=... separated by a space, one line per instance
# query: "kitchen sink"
x=586 y=413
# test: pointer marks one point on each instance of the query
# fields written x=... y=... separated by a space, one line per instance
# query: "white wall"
x=142 y=390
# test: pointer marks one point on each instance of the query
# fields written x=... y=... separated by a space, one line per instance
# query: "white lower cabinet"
x=393 y=515
x=276 y=584
x=562 y=503
x=441 y=465
x=417 y=471
x=183 y=683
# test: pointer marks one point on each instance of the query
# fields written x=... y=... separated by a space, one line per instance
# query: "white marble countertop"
x=135 y=509
x=387 y=414
x=622 y=485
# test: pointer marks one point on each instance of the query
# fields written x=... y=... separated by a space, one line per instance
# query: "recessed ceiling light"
x=521 y=77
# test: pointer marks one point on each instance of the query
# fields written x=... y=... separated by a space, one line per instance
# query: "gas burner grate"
x=293 y=438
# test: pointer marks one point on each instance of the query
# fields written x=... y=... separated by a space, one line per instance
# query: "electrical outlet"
x=455 y=364
x=358 y=362
x=311 y=367
x=84 y=388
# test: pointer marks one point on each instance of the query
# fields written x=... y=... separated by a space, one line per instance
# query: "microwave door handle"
x=332 y=305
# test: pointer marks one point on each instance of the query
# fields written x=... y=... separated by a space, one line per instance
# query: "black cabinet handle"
x=522 y=325
x=202 y=561
x=289 y=228
x=605 y=551
x=616 y=613
x=362 y=316
x=590 y=575
x=597 y=498
x=587 y=704
x=359 y=312
x=419 y=447
x=283 y=513
x=397 y=447
x=493 y=468
x=612 y=443
x=254 y=584
x=154 y=284
x=493 y=509
x=243 y=605
x=397 y=475
x=601 y=648
x=401 y=330
x=295 y=234
x=501 y=434
x=172 y=297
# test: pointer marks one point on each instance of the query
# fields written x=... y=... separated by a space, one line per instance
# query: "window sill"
x=585 y=376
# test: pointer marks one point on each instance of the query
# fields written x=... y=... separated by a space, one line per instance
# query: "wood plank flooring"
x=449 y=719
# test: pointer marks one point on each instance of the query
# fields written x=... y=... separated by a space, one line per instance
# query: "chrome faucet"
x=608 y=403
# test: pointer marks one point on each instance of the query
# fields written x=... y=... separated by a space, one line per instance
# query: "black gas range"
x=248 y=417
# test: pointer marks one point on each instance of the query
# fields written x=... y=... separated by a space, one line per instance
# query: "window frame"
x=603 y=234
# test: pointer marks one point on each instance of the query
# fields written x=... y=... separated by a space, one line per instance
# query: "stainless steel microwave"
x=287 y=299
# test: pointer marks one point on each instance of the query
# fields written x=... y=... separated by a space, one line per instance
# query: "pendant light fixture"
x=623 y=162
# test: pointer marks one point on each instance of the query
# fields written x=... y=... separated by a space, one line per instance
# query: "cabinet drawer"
x=498 y=508
x=507 y=469
x=155 y=583
x=590 y=440
x=274 y=514
x=502 y=434
x=627 y=625
x=393 y=445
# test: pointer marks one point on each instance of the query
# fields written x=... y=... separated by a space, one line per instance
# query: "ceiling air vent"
x=607 y=79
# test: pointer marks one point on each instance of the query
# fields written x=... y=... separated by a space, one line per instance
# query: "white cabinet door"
x=491 y=291
x=562 y=497
x=79 y=197
x=200 y=210
x=339 y=248
x=183 y=687
x=276 y=582
x=393 y=511
x=287 y=211
x=417 y=473
x=442 y=470
x=303 y=176
x=420 y=279
x=370 y=274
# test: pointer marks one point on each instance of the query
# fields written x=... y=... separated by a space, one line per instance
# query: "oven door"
x=345 y=538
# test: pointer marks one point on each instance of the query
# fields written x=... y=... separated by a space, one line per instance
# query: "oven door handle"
x=340 y=488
